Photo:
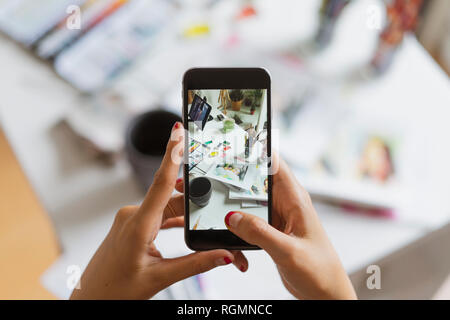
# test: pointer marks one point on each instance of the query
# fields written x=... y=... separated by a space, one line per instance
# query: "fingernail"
x=177 y=125
x=232 y=218
x=223 y=261
x=179 y=180
x=242 y=268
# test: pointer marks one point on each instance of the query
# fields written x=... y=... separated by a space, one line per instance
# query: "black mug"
x=200 y=190
x=146 y=140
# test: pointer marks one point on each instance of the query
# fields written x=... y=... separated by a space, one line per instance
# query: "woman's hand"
x=128 y=265
x=307 y=262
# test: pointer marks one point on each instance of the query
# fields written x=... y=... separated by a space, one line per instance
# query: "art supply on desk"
x=61 y=37
x=402 y=16
x=196 y=30
x=27 y=21
x=329 y=14
x=193 y=146
x=246 y=12
x=207 y=144
x=233 y=174
x=369 y=211
x=247 y=146
x=195 y=153
x=257 y=191
x=196 y=223
x=237 y=119
x=136 y=25
x=146 y=140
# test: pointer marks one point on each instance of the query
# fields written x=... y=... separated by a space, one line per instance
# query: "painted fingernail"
x=179 y=180
x=223 y=261
x=177 y=125
x=242 y=268
x=232 y=218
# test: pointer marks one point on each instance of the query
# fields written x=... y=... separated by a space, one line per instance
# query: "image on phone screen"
x=227 y=155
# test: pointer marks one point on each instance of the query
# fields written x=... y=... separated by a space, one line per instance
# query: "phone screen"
x=227 y=156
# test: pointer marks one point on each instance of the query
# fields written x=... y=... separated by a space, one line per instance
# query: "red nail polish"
x=242 y=268
x=227 y=260
x=179 y=180
x=177 y=125
x=227 y=217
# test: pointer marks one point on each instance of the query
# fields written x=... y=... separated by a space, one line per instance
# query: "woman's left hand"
x=127 y=265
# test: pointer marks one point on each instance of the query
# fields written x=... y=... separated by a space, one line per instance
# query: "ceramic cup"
x=200 y=190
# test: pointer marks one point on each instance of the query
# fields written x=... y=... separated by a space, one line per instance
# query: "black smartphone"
x=227 y=158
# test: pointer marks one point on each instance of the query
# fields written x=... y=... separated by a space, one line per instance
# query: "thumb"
x=184 y=267
x=256 y=231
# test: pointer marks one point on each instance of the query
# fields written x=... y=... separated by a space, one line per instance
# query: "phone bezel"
x=223 y=78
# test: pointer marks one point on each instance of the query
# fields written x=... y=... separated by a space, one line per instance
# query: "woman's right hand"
x=306 y=260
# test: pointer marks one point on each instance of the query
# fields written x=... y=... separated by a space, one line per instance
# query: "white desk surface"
x=82 y=195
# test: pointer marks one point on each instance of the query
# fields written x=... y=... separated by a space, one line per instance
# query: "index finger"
x=152 y=208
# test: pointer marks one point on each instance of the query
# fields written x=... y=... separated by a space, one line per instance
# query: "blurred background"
x=360 y=99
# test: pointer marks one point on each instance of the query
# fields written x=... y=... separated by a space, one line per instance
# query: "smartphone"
x=227 y=158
